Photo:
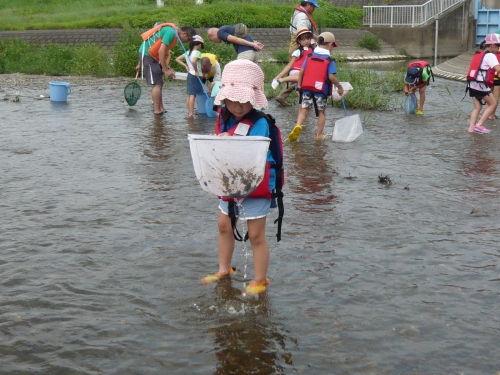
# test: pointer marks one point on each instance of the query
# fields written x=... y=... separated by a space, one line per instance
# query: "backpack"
x=419 y=72
x=240 y=30
x=276 y=148
x=315 y=78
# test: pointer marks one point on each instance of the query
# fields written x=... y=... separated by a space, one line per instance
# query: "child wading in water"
x=303 y=38
x=326 y=43
x=241 y=94
x=480 y=88
x=193 y=67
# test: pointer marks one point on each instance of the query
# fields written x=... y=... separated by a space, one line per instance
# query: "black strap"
x=278 y=194
x=231 y=211
x=315 y=105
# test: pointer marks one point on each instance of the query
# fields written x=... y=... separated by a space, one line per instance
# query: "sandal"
x=294 y=134
x=256 y=287
x=209 y=279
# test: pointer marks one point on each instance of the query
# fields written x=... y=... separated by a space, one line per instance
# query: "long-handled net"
x=132 y=92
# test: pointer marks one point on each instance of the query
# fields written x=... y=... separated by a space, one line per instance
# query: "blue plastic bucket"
x=209 y=105
x=201 y=98
x=59 y=91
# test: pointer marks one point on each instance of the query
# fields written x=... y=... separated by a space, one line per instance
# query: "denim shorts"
x=307 y=101
x=253 y=208
x=194 y=85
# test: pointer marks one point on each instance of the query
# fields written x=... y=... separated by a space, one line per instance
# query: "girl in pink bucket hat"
x=480 y=80
x=241 y=97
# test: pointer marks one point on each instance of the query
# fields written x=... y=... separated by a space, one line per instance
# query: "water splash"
x=245 y=249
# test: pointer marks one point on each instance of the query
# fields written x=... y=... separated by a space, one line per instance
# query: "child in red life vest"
x=242 y=94
x=303 y=37
x=479 y=83
x=326 y=42
x=415 y=80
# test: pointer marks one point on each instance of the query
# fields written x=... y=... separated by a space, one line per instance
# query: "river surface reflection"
x=105 y=233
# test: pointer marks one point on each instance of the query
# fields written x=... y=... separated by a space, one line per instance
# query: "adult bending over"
x=154 y=57
x=246 y=48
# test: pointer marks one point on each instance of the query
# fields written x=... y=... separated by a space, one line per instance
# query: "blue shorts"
x=253 y=208
x=194 y=85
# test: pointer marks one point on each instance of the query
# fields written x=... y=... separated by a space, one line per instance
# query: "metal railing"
x=406 y=15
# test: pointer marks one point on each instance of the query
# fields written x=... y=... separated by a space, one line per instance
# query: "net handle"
x=137 y=75
x=189 y=59
x=343 y=104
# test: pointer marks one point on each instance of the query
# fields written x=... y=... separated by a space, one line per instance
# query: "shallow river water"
x=105 y=234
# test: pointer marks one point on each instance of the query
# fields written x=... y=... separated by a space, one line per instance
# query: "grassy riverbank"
x=74 y=14
x=17 y=56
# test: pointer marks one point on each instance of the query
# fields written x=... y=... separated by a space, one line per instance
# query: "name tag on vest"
x=242 y=129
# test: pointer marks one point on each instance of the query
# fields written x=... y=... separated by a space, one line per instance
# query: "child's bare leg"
x=257 y=237
x=226 y=243
x=321 y=124
x=190 y=100
x=303 y=112
x=421 y=98
x=490 y=109
x=496 y=95
x=474 y=114
x=294 y=78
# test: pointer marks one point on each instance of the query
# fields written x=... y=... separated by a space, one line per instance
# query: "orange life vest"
x=300 y=9
x=154 y=49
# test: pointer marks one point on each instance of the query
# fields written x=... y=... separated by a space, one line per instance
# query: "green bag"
x=426 y=74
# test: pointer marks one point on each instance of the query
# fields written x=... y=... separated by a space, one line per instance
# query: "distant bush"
x=370 y=41
x=125 y=52
x=19 y=56
x=90 y=59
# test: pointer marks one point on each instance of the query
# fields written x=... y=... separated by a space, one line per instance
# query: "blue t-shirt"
x=332 y=69
x=225 y=31
x=259 y=128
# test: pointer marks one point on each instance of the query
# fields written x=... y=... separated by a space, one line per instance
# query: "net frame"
x=132 y=92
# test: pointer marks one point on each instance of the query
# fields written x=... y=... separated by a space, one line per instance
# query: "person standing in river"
x=484 y=63
x=154 y=57
x=301 y=17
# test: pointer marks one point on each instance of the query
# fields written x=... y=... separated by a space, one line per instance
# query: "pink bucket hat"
x=243 y=82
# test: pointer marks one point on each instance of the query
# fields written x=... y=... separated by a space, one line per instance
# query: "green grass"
x=72 y=14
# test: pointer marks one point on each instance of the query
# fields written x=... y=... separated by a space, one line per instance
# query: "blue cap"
x=313 y=2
